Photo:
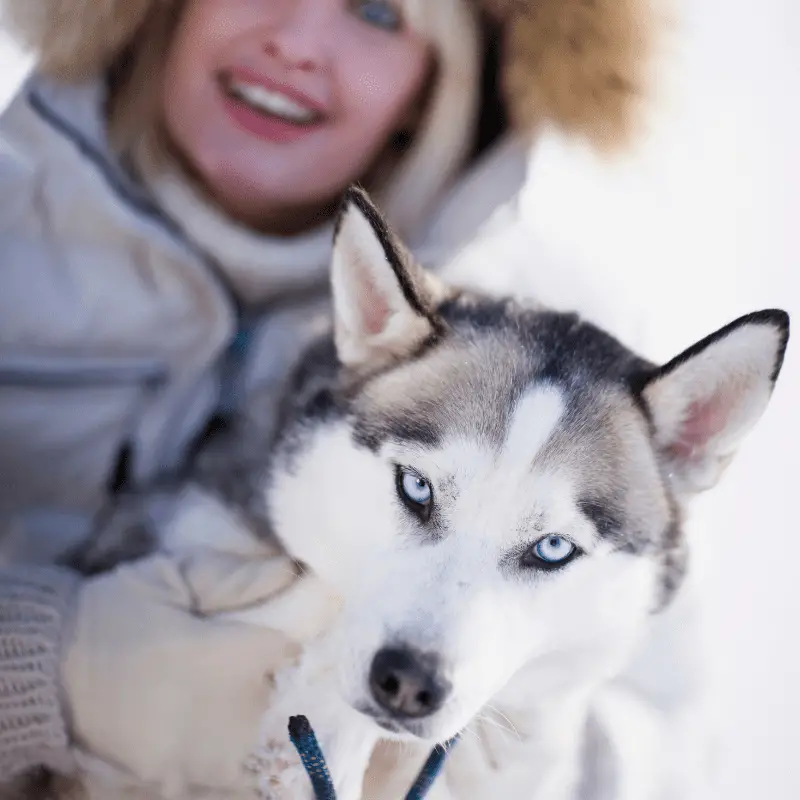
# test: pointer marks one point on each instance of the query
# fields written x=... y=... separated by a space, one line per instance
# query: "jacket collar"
x=256 y=268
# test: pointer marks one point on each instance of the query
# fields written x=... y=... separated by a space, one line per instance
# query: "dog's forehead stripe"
x=533 y=423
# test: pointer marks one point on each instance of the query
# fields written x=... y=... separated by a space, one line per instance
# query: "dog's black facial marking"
x=375 y=431
x=475 y=311
x=563 y=348
x=573 y=352
x=606 y=517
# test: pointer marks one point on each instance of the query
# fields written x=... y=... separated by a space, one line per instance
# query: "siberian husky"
x=487 y=499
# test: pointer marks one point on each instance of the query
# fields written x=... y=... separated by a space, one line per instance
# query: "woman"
x=168 y=179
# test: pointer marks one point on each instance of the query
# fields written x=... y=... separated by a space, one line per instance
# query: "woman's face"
x=277 y=105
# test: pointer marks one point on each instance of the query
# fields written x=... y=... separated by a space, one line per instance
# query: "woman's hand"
x=159 y=688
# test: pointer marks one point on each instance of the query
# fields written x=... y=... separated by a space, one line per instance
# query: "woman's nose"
x=300 y=34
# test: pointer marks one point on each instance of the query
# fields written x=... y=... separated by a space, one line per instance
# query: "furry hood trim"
x=581 y=66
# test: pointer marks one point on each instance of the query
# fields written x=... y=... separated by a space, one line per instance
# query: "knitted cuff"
x=35 y=607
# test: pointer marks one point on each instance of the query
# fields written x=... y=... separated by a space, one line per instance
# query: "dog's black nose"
x=407 y=683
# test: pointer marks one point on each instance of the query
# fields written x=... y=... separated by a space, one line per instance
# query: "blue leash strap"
x=307 y=746
x=430 y=770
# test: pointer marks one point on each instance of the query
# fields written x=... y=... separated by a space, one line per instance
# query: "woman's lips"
x=269 y=110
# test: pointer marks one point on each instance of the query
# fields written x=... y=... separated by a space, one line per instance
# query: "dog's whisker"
x=470 y=730
x=496 y=710
x=496 y=725
x=511 y=727
x=504 y=728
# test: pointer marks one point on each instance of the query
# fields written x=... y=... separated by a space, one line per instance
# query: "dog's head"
x=492 y=487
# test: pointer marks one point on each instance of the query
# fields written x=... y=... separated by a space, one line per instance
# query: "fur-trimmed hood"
x=582 y=66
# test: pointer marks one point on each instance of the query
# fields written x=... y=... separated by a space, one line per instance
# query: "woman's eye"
x=380 y=13
x=550 y=552
x=414 y=491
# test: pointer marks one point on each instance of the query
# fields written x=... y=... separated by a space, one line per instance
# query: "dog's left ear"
x=382 y=300
x=704 y=402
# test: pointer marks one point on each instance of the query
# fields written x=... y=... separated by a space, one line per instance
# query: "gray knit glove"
x=35 y=608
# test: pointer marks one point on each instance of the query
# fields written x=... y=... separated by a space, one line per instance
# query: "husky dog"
x=487 y=498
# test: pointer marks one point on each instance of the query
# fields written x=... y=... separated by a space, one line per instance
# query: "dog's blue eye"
x=380 y=13
x=549 y=553
x=415 y=492
x=554 y=549
x=416 y=489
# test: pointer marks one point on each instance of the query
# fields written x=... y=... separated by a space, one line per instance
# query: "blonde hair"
x=446 y=131
x=410 y=184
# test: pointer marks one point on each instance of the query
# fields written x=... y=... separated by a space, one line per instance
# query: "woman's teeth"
x=274 y=103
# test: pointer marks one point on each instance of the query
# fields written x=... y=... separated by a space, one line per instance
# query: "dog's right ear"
x=382 y=300
x=706 y=400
